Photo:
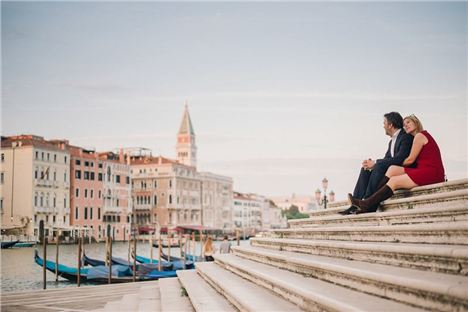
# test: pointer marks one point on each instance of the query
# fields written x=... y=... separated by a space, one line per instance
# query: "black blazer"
x=403 y=145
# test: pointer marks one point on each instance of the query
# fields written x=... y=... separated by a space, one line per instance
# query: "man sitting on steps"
x=373 y=172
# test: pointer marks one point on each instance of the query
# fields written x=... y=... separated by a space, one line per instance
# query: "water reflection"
x=20 y=272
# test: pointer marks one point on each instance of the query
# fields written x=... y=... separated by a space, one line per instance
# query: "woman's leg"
x=395 y=171
x=401 y=182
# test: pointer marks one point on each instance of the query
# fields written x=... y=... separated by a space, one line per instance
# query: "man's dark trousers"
x=369 y=180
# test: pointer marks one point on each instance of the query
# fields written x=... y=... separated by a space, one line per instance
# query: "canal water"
x=19 y=272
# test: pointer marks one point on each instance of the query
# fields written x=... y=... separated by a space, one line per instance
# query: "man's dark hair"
x=394 y=119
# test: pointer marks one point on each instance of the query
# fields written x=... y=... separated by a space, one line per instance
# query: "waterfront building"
x=217 y=201
x=117 y=202
x=165 y=192
x=86 y=193
x=34 y=185
x=247 y=212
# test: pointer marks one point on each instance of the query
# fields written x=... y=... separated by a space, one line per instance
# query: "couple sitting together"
x=412 y=159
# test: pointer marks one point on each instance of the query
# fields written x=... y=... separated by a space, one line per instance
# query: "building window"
x=117 y=178
x=76 y=213
x=77 y=162
x=86 y=175
x=65 y=202
x=127 y=180
x=35 y=200
x=36 y=174
x=48 y=158
x=170 y=183
x=99 y=213
x=91 y=164
x=55 y=200
x=77 y=192
x=85 y=193
x=65 y=177
x=99 y=176
x=91 y=213
x=2 y=177
x=99 y=194
x=55 y=176
x=65 y=158
x=55 y=157
x=3 y=157
x=91 y=193
x=53 y=219
x=117 y=202
x=86 y=163
x=42 y=155
x=92 y=176
x=37 y=155
x=170 y=199
x=42 y=201
x=155 y=200
x=100 y=165
x=86 y=213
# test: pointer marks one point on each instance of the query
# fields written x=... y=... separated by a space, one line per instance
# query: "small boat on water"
x=6 y=245
x=142 y=268
x=179 y=262
x=100 y=274
x=165 y=244
x=24 y=244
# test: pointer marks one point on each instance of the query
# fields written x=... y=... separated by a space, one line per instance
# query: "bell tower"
x=186 y=148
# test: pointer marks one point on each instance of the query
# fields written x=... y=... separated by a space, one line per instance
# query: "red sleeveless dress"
x=429 y=168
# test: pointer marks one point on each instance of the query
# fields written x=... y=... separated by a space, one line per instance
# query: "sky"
x=280 y=94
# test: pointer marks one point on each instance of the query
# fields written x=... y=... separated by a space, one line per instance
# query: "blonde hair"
x=417 y=122
x=208 y=244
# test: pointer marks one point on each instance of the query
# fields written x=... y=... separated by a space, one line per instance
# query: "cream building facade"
x=217 y=202
x=35 y=186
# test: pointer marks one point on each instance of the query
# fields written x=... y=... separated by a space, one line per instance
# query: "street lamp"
x=322 y=201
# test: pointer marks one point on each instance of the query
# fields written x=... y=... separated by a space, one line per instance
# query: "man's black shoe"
x=349 y=211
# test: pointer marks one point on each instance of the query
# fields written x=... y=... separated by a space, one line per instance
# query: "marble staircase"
x=412 y=255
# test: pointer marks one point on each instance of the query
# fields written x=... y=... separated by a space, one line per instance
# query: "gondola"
x=143 y=268
x=174 y=244
x=24 y=244
x=6 y=245
x=178 y=263
x=100 y=274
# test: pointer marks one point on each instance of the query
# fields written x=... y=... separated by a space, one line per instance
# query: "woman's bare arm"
x=418 y=143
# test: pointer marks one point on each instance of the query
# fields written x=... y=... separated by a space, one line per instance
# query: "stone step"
x=150 y=299
x=407 y=216
x=173 y=296
x=129 y=302
x=203 y=297
x=451 y=259
x=429 y=290
x=244 y=295
x=309 y=294
x=438 y=233
x=433 y=189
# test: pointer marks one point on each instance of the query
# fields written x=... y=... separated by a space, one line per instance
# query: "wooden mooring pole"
x=78 y=277
x=44 y=257
x=57 y=255
x=110 y=259
x=134 y=257
x=159 y=252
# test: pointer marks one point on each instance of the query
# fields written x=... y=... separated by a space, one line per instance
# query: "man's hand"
x=368 y=164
